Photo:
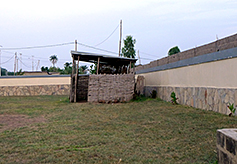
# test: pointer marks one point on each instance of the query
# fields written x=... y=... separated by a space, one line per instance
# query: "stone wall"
x=219 y=45
x=111 y=88
x=227 y=146
x=34 y=90
x=215 y=99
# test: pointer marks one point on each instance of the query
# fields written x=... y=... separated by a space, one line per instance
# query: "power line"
x=8 y=60
x=23 y=63
x=147 y=54
x=33 y=47
x=107 y=37
x=96 y=48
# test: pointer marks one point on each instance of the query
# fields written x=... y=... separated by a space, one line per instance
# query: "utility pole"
x=37 y=65
x=120 y=37
x=15 y=63
x=21 y=61
x=75 y=45
x=139 y=57
x=32 y=63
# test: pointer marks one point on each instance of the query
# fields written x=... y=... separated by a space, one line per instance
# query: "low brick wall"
x=215 y=99
x=227 y=146
x=34 y=90
x=111 y=88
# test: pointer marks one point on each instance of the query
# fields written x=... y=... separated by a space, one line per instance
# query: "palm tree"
x=53 y=59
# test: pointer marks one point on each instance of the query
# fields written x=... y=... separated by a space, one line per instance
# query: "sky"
x=157 y=26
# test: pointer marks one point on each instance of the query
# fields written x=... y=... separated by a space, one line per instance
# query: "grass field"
x=49 y=129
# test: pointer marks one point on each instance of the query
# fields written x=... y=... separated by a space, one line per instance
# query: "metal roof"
x=104 y=59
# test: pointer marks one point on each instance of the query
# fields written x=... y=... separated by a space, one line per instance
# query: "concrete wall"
x=206 y=81
x=111 y=88
x=34 y=85
x=34 y=80
x=227 y=146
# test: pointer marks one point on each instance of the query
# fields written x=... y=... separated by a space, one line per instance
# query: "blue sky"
x=157 y=25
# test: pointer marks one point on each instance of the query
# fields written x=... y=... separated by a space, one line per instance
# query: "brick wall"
x=227 y=146
x=221 y=44
x=82 y=87
x=111 y=88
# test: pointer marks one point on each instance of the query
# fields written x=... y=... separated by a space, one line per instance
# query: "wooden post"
x=98 y=66
x=130 y=67
x=134 y=68
x=75 y=91
x=120 y=37
x=71 y=88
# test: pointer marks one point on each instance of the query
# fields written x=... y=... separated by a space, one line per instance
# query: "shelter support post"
x=75 y=91
x=130 y=67
x=134 y=68
x=98 y=66
x=72 y=74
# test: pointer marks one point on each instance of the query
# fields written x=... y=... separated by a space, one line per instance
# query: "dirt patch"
x=9 y=122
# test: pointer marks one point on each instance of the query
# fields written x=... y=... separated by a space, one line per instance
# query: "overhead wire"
x=23 y=63
x=8 y=60
x=96 y=48
x=107 y=37
x=147 y=54
x=33 y=47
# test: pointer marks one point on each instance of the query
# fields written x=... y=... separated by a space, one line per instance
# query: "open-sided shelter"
x=114 y=80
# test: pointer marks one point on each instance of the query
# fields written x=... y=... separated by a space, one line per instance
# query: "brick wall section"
x=34 y=90
x=82 y=87
x=227 y=146
x=222 y=44
x=111 y=88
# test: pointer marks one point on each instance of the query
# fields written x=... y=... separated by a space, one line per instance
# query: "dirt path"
x=9 y=122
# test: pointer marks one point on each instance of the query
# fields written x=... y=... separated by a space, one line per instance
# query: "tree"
x=44 y=69
x=128 y=49
x=174 y=50
x=53 y=59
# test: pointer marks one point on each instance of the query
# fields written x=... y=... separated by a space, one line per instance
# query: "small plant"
x=174 y=99
x=231 y=108
x=153 y=94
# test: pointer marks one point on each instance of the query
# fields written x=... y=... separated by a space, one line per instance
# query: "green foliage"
x=83 y=69
x=20 y=72
x=93 y=68
x=231 y=108
x=174 y=99
x=44 y=69
x=53 y=59
x=128 y=49
x=153 y=94
x=67 y=68
x=3 y=71
x=174 y=50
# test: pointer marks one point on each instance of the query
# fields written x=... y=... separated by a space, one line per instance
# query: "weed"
x=231 y=108
x=174 y=99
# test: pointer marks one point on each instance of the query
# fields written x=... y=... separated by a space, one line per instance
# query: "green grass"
x=149 y=131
